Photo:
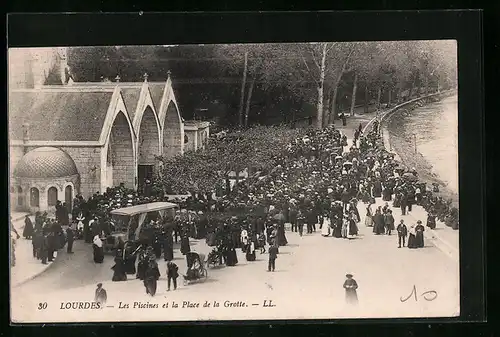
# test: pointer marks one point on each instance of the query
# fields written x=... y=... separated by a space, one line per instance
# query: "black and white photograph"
x=250 y=181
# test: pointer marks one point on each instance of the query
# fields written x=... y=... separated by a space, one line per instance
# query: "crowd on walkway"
x=317 y=187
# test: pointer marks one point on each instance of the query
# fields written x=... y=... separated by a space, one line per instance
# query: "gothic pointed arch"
x=173 y=133
x=118 y=157
x=119 y=154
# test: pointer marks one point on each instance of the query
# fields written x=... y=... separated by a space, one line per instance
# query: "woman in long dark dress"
x=378 y=222
x=232 y=257
x=98 y=250
x=157 y=244
x=350 y=286
x=412 y=240
x=28 y=228
x=119 y=268
x=168 y=248
x=282 y=241
x=419 y=234
x=129 y=258
x=387 y=194
x=397 y=199
x=185 y=248
x=151 y=277
x=142 y=265
x=431 y=221
x=250 y=251
x=377 y=189
x=337 y=229
x=353 y=228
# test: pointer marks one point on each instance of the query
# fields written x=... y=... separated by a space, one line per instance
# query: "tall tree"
x=243 y=84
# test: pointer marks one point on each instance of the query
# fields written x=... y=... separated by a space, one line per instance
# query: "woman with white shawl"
x=80 y=225
x=98 y=249
x=244 y=240
x=325 y=228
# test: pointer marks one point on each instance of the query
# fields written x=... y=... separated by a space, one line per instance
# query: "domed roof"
x=45 y=162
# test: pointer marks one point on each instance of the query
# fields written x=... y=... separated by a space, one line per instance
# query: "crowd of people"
x=319 y=182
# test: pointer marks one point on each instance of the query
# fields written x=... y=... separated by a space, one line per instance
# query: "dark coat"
x=273 y=252
x=172 y=270
x=402 y=230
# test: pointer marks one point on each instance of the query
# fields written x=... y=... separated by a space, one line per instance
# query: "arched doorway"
x=172 y=141
x=148 y=147
x=20 y=197
x=34 y=197
x=68 y=197
x=120 y=154
x=52 y=196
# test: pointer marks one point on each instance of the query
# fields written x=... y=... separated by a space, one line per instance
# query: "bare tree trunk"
x=390 y=98
x=243 y=84
x=333 y=105
x=249 y=99
x=366 y=98
x=353 y=97
x=327 y=107
x=379 y=95
x=320 y=88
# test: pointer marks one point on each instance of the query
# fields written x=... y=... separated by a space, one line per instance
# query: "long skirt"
x=431 y=222
x=353 y=228
x=419 y=240
x=412 y=244
x=344 y=232
x=397 y=202
x=157 y=249
x=98 y=254
x=129 y=265
x=142 y=266
x=351 y=296
x=368 y=221
x=386 y=195
x=325 y=230
x=168 y=253
x=250 y=256
x=337 y=231
x=282 y=241
x=118 y=273
x=185 y=248
x=150 y=283
x=232 y=258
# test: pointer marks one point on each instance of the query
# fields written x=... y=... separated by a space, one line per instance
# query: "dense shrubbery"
x=257 y=148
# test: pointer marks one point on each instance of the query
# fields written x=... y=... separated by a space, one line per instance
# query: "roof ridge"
x=64 y=89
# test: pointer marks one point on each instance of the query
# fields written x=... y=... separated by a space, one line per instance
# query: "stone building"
x=85 y=137
x=196 y=134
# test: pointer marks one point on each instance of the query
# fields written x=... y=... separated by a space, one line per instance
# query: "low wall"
x=409 y=105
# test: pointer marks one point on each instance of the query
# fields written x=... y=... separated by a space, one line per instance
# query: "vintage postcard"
x=234 y=182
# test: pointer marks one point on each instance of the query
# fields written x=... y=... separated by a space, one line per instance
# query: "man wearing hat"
x=402 y=233
x=100 y=295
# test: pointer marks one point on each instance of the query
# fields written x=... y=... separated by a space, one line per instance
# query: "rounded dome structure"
x=45 y=162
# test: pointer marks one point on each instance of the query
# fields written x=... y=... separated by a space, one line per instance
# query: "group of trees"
x=283 y=75
x=255 y=149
